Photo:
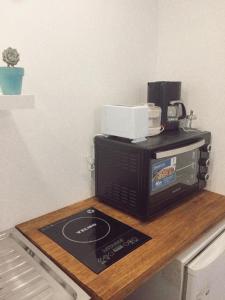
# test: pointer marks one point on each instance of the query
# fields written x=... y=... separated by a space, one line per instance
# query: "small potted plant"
x=11 y=76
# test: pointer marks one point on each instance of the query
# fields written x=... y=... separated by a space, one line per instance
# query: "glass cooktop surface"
x=94 y=238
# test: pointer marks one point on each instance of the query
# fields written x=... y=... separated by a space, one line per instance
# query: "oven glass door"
x=175 y=170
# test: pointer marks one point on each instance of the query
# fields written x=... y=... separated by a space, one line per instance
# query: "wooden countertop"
x=172 y=231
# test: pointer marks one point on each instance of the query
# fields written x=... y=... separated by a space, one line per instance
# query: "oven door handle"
x=176 y=151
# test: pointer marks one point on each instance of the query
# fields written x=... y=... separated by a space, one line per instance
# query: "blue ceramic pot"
x=11 y=80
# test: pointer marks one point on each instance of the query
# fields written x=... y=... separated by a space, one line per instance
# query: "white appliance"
x=27 y=274
x=129 y=122
x=197 y=274
x=154 y=119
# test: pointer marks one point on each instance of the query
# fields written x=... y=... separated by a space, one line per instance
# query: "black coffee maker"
x=166 y=94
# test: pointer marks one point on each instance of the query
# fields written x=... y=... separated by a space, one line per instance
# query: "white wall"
x=191 y=48
x=77 y=54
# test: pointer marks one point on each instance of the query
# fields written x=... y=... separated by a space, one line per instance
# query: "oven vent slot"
x=120 y=160
x=121 y=195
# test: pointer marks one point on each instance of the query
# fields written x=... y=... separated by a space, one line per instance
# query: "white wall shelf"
x=11 y=102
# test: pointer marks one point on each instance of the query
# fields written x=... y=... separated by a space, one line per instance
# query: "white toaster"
x=129 y=122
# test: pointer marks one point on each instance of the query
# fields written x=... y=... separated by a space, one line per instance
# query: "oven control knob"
x=203 y=176
x=204 y=162
x=207 y=148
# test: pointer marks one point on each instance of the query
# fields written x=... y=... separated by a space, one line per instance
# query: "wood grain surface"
x=172 y=231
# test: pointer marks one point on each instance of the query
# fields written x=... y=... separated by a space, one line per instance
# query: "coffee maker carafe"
x=166 y=94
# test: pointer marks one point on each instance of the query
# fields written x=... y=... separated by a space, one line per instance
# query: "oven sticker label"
x=163 y=173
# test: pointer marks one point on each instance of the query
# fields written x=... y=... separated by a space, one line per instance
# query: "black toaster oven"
x=143 y=178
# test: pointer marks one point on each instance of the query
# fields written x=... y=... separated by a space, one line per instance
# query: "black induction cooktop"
x=94 y=238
